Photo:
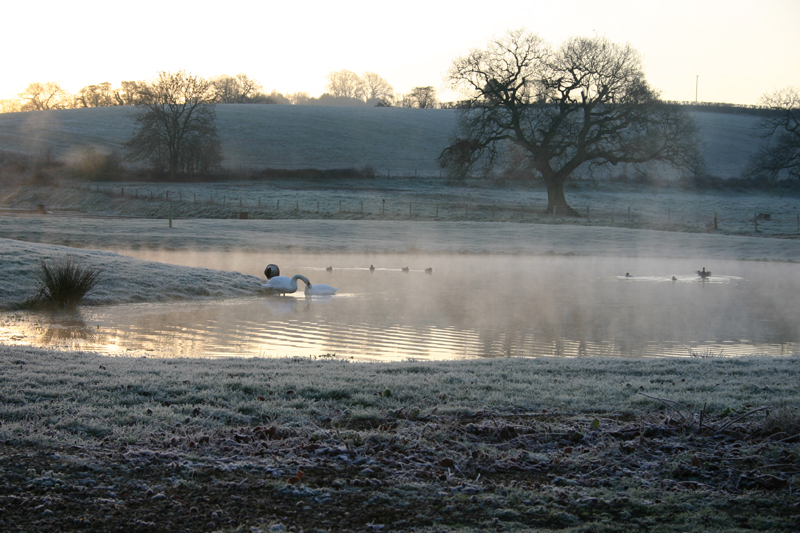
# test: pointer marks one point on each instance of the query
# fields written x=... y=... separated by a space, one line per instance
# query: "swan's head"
x=271 y=271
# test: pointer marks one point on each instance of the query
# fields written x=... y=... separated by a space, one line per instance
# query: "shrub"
x=64 y=282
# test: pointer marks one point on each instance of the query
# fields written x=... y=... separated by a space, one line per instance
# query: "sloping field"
x=393 y=140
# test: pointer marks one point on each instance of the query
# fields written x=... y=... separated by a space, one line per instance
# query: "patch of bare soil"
x=481 y=471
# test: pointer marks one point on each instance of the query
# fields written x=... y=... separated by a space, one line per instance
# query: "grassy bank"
x=97 y=443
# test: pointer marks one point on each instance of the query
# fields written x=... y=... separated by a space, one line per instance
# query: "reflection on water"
x=469 y=307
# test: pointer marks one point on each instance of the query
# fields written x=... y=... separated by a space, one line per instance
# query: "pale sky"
x=740 y=49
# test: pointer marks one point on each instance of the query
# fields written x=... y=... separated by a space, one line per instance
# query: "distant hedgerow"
x=64 y=282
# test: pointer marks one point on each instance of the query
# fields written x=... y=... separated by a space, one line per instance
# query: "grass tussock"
x=64 y=282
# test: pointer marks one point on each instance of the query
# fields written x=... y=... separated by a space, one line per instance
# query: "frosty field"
x=526 y=384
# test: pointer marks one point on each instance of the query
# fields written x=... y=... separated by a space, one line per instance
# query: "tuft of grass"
x=64 y=282
x=705 y=354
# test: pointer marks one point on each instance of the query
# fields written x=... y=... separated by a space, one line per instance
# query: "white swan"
x=284 y=285
x=320 y=289
x=271 y=271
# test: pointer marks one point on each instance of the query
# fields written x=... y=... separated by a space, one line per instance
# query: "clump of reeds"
x=64 y=282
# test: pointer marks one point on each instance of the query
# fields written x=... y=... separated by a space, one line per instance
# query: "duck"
x=429 y=271
x=329 y=269
x=405 y=269
x=271 y=271
x=704 y=273
x=284 y=284
x=320 y=289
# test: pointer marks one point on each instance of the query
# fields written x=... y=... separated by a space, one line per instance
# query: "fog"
x=470 y=306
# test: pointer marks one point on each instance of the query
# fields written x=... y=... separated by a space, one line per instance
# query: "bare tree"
x=586 y=103
x=345 y=83
x=177 y=129
x=298 y=98
x=100 y=95
x=131 y=93
x=10 y=105
x=377 y=89
x=421 y=97
x=779 y=153
x=44 y=96
x=239 y=89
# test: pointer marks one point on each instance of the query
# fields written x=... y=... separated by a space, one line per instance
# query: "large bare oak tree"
x=585 y=103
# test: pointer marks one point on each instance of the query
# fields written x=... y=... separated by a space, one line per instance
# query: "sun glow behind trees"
x=740 y=50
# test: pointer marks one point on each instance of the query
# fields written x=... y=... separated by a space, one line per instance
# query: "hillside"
x=393 y=140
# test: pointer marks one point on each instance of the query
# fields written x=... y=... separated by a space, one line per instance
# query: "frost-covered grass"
x=605 y=204
x=395 y=140
x=59 y=398
x=124 y=280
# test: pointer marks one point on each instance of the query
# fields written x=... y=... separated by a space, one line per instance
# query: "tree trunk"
x=556 y=201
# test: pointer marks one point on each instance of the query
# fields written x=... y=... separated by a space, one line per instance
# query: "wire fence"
x=348 y=205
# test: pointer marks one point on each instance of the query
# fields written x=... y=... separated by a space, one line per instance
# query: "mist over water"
x=470 y=306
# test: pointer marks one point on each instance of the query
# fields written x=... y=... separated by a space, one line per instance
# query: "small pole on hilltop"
x=383 y=206
x=170 y=214
x=716 y=226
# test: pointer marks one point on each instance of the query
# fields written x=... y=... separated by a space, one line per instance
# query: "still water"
x=468 y=307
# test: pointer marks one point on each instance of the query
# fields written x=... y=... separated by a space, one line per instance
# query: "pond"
x=469 y=306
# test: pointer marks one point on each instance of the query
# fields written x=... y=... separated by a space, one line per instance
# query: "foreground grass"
x=96 y=443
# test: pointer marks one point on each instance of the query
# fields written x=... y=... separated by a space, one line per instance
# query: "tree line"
x=531 y=110
x=344 y=87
